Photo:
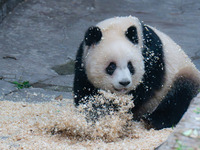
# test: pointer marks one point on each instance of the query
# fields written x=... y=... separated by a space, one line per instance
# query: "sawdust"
x=60 y=125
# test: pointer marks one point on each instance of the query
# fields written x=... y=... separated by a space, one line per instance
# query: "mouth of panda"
x=123 y=90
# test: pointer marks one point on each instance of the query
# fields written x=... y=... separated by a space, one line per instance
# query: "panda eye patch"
x=131 y=68
x=111 y=68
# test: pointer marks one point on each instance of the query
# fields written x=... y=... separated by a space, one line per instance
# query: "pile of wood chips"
x=60 y=125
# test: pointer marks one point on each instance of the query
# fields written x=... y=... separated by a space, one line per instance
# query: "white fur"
x=120 y=51
x=115 y=47
x=177 y=63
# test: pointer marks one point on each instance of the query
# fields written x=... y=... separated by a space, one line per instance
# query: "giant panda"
x=125 y=56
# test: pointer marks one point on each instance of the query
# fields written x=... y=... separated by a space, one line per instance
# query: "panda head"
x=112 y=54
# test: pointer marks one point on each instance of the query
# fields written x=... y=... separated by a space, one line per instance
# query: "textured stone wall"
x=6 y=6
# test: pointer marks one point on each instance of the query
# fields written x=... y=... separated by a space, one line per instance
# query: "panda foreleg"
x=82 y=87
x=175 y=104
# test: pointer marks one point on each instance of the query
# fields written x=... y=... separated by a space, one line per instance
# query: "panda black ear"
x=92 y=36
x=132 y=35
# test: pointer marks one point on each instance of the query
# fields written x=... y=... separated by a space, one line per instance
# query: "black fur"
x=111 y=68
x=82 y=87
x=175 y=104
x=92 y=36
x=154 y=66
x=131 y=68
x=153 y=78
x=132 y=34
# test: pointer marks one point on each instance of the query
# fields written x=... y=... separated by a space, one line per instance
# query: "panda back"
x=177 y=64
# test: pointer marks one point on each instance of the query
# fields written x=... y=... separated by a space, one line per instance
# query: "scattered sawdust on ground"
x=60 y=125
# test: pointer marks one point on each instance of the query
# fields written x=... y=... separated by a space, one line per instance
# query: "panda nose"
x=124 y=83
